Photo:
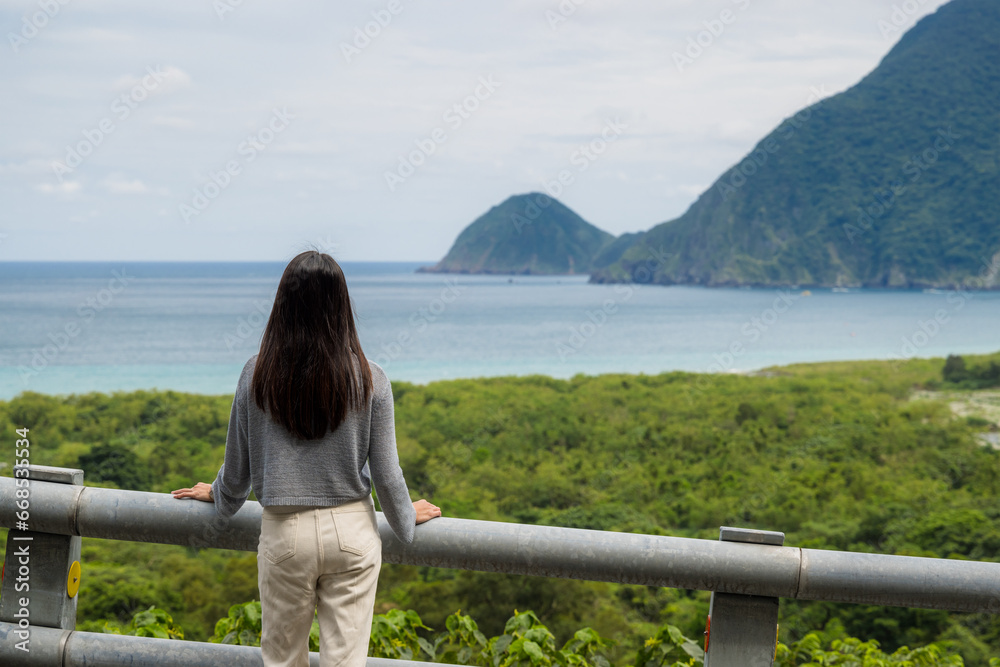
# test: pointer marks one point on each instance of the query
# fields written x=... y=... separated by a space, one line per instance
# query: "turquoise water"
x=78 y=327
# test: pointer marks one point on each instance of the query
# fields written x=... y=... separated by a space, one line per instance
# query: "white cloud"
x=117 y=184
x=156 y=79
x=34 y=166
x=66 y=188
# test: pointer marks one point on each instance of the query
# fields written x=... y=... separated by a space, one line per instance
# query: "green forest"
x=872 y=456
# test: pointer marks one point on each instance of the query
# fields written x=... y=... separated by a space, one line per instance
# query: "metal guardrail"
x=747 y=571
x=490 y=546
x=52 y=646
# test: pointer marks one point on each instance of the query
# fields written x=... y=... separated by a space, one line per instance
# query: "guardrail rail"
x=747 y=570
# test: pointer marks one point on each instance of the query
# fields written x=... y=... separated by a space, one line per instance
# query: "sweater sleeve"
x=386 y=473
x=232 y=485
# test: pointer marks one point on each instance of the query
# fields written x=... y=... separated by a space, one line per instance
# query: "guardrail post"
x=41 y=570
x=743 y=629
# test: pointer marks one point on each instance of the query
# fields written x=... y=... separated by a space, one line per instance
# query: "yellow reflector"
x=73 y=580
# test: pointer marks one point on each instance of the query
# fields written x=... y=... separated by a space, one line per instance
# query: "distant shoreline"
x=269 y=268
x=843 y=366
x=930 y=288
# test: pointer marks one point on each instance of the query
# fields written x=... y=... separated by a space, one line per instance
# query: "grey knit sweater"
x=338 y=468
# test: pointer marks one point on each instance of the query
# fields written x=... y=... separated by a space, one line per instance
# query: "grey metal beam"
x=54 y=474
x=744 y=628
x=745 y=569
x=548 y=551
x=50 y=647
x=42 y=580
x=38 y=565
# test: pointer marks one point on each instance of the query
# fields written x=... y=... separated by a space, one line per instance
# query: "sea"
x=77 y=327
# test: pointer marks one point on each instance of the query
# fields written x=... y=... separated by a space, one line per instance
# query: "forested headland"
x=884 y=457
x=888 y=184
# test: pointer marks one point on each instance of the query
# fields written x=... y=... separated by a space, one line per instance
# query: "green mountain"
x=892 y=183
x=526 y=234
x=612 y=251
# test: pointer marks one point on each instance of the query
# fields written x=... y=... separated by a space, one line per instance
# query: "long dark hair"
x=310 y=369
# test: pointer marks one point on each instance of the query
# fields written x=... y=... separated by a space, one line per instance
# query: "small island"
x=530 y=234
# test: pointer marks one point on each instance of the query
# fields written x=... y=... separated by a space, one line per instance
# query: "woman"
x=311 y=429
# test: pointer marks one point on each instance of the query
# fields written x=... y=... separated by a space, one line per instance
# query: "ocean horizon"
x=76 y=327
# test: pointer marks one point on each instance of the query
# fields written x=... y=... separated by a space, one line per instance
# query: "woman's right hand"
x=426 y=511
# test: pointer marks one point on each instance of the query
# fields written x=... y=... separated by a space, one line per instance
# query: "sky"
x=240 y=130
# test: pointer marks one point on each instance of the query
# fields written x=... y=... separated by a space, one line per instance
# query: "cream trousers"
x=322 y=560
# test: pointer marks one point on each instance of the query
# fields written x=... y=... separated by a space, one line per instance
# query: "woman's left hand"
x=200 y=491
x=426 y=510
